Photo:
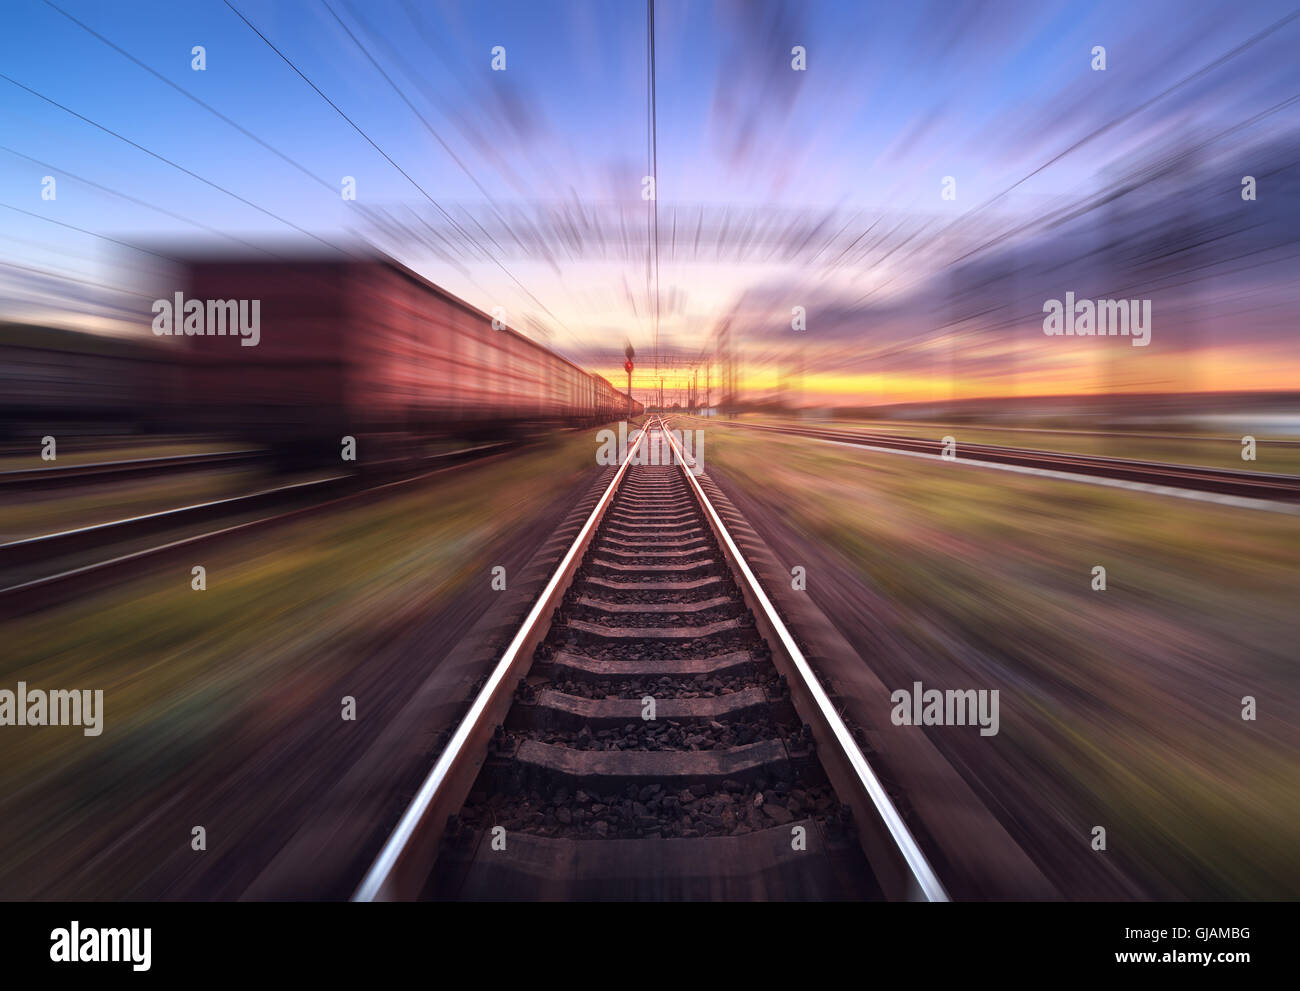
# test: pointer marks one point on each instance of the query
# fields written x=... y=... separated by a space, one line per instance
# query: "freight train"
x=69 y=383
x=296 y=355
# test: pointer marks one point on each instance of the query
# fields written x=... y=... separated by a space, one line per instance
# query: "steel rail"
x=922 y=875
x=420 y=827
x=52 y=476
x=1198 y=478
x=52 y=589
x=58 y=541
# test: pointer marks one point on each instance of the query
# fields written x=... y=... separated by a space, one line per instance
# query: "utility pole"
x=631 y=353
x=724 y=358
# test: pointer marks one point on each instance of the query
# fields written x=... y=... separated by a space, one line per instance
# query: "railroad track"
x=669 y=740
x=58 y=476
x=1224 y=481
x=43 y=571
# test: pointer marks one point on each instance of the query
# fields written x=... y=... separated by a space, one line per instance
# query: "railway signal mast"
x=627 y=366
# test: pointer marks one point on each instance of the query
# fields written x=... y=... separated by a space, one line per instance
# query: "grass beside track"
x=1218 y=451
x=113 y=450
x=1120 y=708
x=185 y=673
x=30 y=514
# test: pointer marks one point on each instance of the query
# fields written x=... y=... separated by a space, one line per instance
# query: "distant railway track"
x=26 y=584
x=1118 y=432
x=59 y=476
x=670 y=740
x=1224 y=481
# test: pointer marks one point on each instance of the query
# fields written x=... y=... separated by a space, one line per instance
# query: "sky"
x=776 y=188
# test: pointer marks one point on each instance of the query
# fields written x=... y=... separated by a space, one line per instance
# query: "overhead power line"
x=175 y=165
x=409 y=178
x=194 y=99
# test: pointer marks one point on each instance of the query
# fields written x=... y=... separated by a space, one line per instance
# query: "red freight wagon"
x=363 y=348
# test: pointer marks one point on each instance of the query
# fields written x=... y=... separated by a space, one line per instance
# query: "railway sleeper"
x=542 y=766
x=652 y=750
x=753 y=867
x=650 y=608
x=553 y=710
x=579 y=667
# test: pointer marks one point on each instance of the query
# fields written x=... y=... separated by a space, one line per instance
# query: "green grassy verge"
x=1217 y=451
x=284 y=614
x=1122 y=706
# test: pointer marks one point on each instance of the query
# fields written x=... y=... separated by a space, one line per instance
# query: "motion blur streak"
x=357 y=287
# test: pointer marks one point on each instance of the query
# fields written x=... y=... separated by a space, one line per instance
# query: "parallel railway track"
x=669 y=740
x=61 y=476
x=43 y=571
x=1224 y=481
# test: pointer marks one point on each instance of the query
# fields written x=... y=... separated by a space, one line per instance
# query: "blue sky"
x=895 y=97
